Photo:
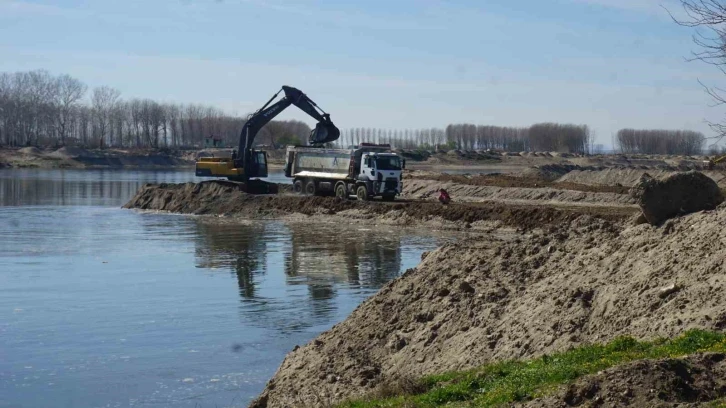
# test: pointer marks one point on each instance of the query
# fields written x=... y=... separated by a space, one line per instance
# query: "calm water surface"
x=104 y=307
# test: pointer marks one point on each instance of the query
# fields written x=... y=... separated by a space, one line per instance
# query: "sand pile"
x=626 y=177
x=427 y=189
x=610 y=176
x=70 y=152
x=549 y=172
x=478 y=301
x=509 y=181
x=31 y=151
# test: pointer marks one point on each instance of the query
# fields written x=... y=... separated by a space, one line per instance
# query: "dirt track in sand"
x=225 y=198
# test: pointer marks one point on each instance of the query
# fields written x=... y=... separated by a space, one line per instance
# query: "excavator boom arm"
x=325 y=131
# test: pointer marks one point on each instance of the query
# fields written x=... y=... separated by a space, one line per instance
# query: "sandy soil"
x=572 y=268
x=478 y=301
x=225 y=198
x=422 y=189
x=626 y=177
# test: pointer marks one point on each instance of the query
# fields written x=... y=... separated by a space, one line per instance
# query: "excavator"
x=247 y=163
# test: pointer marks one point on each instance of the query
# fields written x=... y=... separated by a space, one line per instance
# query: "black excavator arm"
x=325 y=131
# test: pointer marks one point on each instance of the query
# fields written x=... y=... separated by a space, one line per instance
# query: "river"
x=105 y=307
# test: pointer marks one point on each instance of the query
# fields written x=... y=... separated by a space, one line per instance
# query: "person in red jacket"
x=444 y=197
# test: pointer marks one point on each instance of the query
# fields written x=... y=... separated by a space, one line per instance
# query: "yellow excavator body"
x=218 y=167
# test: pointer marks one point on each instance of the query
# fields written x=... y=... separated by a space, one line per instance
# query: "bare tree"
x=103 y=101
x=656 y=141
x=711 y=16
x=69 y=93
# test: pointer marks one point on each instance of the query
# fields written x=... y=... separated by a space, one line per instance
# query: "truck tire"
x=341 y=191
x=297 y=187
x=310 y=188
x=389 y=197
x=362 y=193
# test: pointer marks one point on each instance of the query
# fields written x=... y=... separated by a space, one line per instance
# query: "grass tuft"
x=513 y=381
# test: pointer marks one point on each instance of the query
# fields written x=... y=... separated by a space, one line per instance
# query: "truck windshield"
x=388 y=163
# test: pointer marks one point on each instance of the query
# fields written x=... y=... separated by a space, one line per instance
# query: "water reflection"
x=241 y=248
x=319 y=262
x=361 y=257
x=318 y=256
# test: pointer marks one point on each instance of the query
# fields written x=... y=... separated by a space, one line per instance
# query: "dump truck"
x=366 y=171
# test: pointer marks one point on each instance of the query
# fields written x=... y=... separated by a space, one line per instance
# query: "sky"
x=609 y=64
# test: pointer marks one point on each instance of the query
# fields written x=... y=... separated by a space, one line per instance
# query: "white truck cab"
x=382 y=174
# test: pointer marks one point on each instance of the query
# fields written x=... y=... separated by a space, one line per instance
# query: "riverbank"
x=79 y=158
x=478 y=302
x=563 y=264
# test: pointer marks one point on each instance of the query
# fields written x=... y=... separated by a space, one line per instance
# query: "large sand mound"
x=478 y=301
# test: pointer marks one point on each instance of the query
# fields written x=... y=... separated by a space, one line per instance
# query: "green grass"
x=511 y=381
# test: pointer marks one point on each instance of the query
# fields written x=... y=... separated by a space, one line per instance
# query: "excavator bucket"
x=324 y=133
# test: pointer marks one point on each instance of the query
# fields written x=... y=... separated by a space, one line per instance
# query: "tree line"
x=539 y=137
x=683 y=142
x=39 y=109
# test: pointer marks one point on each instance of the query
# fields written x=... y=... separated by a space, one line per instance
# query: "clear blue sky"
x=381 y=63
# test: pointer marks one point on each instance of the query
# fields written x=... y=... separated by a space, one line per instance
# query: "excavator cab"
x=258 y=164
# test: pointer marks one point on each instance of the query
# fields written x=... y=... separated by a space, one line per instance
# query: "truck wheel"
x=389 y=197
x=362 y=193
x=310 y=188
x=341 y=191
x=297 y=187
